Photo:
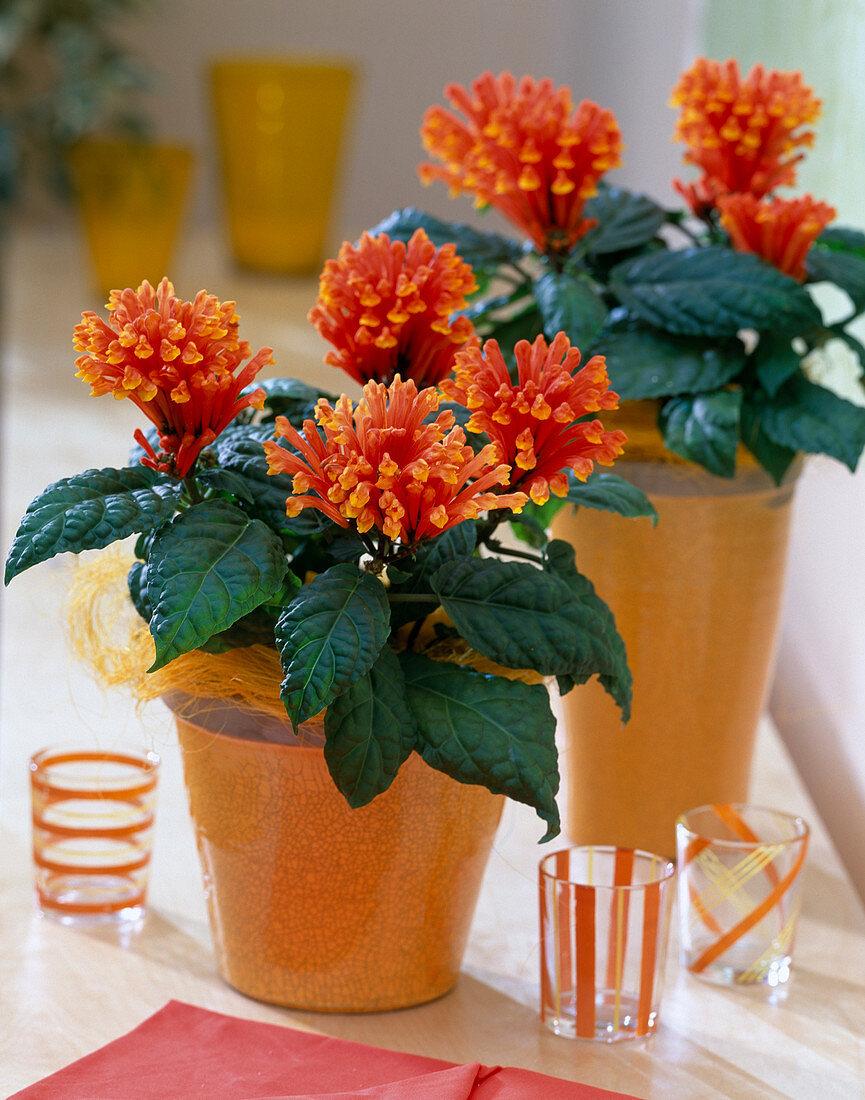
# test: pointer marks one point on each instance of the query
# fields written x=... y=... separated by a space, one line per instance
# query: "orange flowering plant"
x=709 y=310
x=358 y=538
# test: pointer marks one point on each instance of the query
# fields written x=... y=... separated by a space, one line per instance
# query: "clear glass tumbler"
x=739 y=892
x=93 y=813
x=605 y=916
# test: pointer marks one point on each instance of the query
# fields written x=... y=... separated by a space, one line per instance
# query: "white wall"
x=624 y=54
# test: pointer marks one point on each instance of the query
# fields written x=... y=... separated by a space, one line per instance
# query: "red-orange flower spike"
x=533 y=423
x=383 y=465
x=176 y=361
x=740 y=133
x=523 y=149
x=780 y=231
x=386 y=308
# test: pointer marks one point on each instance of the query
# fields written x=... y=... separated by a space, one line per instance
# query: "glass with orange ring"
x=93 y=814
x=605 y=917
x=739 y=892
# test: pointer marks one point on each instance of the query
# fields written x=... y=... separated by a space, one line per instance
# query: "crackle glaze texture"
x=317 y=906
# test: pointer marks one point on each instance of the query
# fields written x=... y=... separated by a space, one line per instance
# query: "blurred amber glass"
x=131 y=197
x=279 y=126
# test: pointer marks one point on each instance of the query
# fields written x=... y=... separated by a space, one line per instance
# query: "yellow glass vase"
x=131 y=197
x=279 y=127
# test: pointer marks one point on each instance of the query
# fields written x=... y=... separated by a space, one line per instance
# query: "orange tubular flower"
x=524 y=150
x=533 y=424
x=780 y=231
x=176 y=361
x=381 y=465
x=386 y=307
x=740 y=133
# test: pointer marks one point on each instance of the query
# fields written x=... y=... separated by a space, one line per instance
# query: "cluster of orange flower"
x=177 y=361
x=743 y=135
x=388 y=310
x=523 y=149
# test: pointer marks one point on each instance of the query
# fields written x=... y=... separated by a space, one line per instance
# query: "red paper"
x=184 y=1052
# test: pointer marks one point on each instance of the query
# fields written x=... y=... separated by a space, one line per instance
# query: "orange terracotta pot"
x=317 y=906
x=697 y=600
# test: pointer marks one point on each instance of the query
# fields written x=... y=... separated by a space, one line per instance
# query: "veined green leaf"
x=775 y=361
x=845 y=269
x=210 y=566
x=289 y=397
x=805 y=417
x=774 y=458
x=414 y=574
x=481 y=250
x=712 y=291
x=569 y=304
x=610 y=493
x=370 y=731
x=523 y=617
x=616 y=680
x=89 y=511
x=329 y=636
x=486 y=730
x=625 y=220
x=644 y=363
x=704 y=428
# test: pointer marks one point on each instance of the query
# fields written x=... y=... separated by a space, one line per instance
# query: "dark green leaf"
x=839 y=237
x=617 y=682
x=845 y=269
x=329 y=636
x=289 y=397
x=610 y=493
x=775 y=459
x=90 y=511
x=240 y=452
x=532 y=523
x=526 y=325
x=370 y=731
x=208 y=568
x=704 y=428
x=522 y=617
x=644 y=363
x=625 y=220
x=414 y=574
x=775 y=361
x=712 y=291
x=137 y=584
x=481 y=250
x=486 y=730
x=806 y=417
x=224 y=481
x=569 y=304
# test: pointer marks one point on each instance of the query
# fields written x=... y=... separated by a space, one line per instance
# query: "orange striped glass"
x=605 y=917
x=92 y=831
x=739 y=892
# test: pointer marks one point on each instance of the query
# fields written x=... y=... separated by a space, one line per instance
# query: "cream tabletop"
x=65 y=992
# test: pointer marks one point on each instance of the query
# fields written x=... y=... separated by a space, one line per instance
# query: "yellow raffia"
x=109 y=638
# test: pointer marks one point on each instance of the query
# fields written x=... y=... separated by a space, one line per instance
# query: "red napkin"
x=183 y=1052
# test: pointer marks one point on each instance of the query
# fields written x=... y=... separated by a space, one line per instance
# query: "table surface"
x=64 y=991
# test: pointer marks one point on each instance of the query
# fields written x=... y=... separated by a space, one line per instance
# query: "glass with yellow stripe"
x=605 y=916
x=739 y=892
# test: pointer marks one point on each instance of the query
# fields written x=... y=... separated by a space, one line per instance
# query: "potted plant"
x=326 y=587
x=729 y=368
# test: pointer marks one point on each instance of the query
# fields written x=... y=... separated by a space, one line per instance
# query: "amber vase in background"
x=131 y=197
x=279 y=128
x=697 y=600
x=317 y=906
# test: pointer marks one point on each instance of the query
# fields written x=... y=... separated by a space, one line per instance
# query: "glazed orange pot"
x=697 y=600
x=317 y=906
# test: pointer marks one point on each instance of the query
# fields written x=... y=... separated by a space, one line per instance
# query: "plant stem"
x=524 y=554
